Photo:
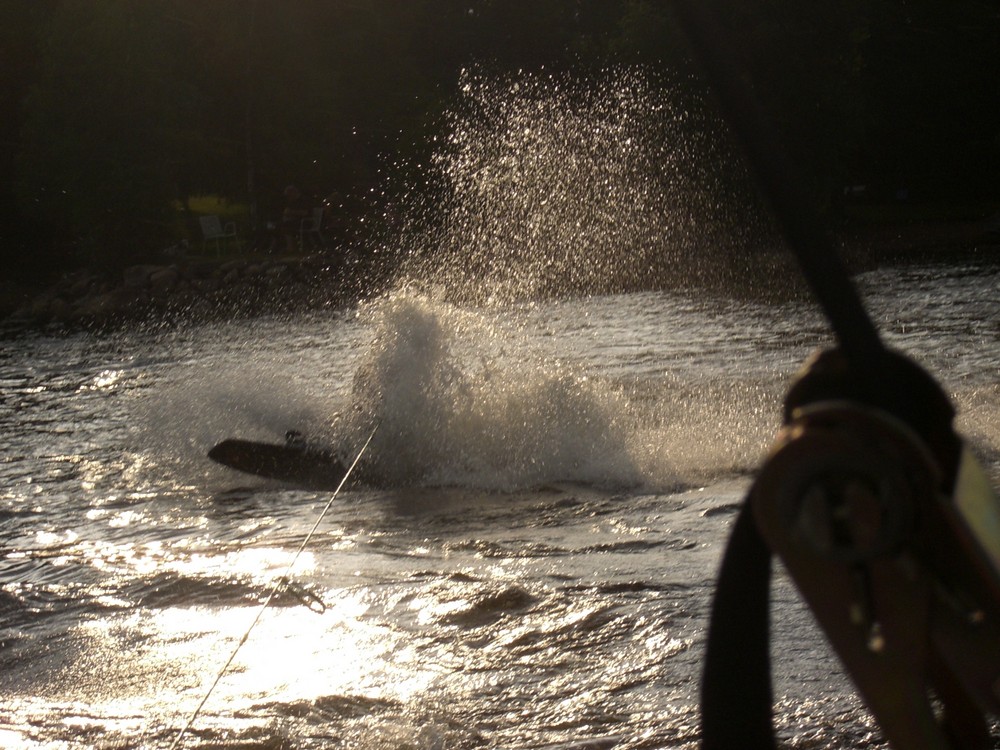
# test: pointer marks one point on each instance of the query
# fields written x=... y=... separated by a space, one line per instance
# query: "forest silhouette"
x=118 y=111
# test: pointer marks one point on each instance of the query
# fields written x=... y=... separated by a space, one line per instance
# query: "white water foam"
x=464 y=398
x=461 y=401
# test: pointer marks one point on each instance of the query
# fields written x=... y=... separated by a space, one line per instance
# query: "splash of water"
x=548 y=186
x=461 y=402
x=553 y=185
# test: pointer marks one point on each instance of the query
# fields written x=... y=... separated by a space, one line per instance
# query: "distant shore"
x=189 y=288
x=203 y=288
x=904 y=241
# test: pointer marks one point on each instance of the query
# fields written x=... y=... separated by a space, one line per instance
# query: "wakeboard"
x=293 y=462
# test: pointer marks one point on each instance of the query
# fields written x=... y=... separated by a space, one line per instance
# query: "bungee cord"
x=283 y=583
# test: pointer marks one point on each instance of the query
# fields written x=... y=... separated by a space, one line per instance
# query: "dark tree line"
x=116 y=110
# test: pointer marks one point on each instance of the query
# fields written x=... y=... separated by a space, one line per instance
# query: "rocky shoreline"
x=192 y=289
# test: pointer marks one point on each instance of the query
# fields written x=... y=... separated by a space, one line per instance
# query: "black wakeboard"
x=293 y=463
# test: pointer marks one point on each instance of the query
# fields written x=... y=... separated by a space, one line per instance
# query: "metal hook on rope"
x=312 y=601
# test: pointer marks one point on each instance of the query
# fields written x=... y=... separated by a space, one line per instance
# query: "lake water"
x=557 y=484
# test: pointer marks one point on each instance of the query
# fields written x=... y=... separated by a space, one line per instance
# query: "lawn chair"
x=311 y=226
x=213 y=230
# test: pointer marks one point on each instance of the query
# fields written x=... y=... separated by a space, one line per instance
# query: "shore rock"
x=199 y=289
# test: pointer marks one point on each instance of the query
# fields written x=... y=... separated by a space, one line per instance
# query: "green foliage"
x=930 y=93
x=804 y=62
x=105 y=125
x=646 y=35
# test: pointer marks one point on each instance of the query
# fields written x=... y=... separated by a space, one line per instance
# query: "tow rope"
x=283 y=583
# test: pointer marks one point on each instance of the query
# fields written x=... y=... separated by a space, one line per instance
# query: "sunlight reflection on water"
x=170 y=657
x=532 y=616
